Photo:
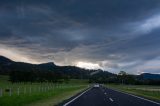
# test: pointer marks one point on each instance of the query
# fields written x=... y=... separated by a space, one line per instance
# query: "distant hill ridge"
x=7 y=66
x=4 y=60
x=150 y=76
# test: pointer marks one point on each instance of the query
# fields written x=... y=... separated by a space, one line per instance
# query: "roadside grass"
x=21 y=100
x=59 y=98
x=24 y=94
x=146 y=91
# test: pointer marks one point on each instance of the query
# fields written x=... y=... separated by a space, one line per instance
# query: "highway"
x=102 y=96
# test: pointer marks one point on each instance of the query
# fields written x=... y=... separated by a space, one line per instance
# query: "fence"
x=27 y=90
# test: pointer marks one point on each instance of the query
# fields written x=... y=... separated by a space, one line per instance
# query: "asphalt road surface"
x=107 y=97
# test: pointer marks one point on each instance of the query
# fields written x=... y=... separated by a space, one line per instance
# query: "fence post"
x=30 y=90
x=42 y=88
x=10 y=92
x=1 y=92
x=18 y=91
x=39 y=88
x=35 y=89
x=24 y=90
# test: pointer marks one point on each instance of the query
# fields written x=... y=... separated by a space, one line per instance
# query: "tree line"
x=123 y=78
x=59 y=76
x=56 y=74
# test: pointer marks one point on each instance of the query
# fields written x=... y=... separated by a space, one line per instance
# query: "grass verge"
x=58 y=98
x=57 y=94
x=146 y=91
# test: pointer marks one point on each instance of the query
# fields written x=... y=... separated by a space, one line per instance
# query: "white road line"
x=137 y=97
x=76 y=97
x=111 y=99
x=105 y=93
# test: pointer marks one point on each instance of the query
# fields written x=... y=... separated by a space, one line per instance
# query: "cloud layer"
x=113 y=35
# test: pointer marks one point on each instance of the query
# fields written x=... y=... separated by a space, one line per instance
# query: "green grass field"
x=146 y=91
x=38 y=94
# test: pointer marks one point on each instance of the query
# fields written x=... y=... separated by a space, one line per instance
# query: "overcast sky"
x=112 y=35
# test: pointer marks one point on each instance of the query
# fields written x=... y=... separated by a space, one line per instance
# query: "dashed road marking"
x=111 y=99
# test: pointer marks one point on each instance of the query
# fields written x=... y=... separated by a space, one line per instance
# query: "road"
x=107 y=97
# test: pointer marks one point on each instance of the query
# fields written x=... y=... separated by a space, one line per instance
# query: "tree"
x=122 y=76
x=122 y=73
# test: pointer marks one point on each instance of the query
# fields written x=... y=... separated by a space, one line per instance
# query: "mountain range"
x=149 y=76
x=8 y=65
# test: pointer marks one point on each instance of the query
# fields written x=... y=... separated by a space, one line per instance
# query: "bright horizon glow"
x=13 y=55
x=88 y=65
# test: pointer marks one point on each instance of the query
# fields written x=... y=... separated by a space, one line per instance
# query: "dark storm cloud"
x=116 y=34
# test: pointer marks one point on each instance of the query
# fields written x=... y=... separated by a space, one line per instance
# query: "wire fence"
x=28 y=90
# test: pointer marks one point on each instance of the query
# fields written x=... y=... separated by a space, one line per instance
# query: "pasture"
x=146 y=91
x=19 y=94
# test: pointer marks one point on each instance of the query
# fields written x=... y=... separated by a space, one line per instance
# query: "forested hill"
x=49 y=72
x=41 y=72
